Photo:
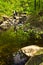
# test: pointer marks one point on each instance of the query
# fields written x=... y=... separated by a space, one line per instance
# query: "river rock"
x=26 y=53
x=5 y=17
x=30 y=50
x=1 y=22
x=37 y=59
x=5 y=25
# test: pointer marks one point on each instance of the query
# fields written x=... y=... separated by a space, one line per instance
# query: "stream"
x=20 y=58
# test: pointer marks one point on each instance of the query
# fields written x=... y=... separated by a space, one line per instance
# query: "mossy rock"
x=37 y=59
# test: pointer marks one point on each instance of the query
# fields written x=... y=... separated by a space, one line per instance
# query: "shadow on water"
x=20 y=58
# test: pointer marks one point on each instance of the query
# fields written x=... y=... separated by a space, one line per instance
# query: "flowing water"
x=20 y=58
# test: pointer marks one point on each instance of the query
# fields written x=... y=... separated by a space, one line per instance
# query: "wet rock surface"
x=36 y=60
x=29 y=57
x=14 y=20
x=31 y=50
x=28 y=54
x=35 y=21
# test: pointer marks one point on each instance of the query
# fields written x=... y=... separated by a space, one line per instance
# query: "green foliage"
x=11 y=41
x=8 y=6
x=20 y=38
